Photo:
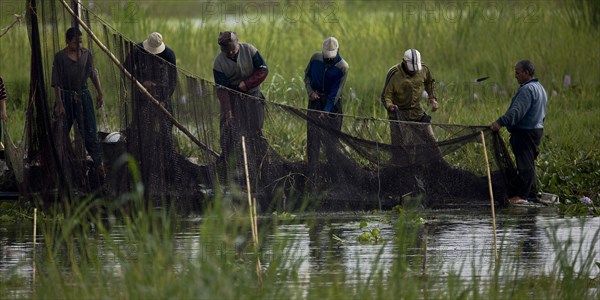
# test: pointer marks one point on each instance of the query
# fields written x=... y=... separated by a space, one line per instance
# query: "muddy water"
x=451 y=241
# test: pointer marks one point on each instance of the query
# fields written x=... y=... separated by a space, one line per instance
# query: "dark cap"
x=227 y=37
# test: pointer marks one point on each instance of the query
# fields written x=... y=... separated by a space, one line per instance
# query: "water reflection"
x=458 y=242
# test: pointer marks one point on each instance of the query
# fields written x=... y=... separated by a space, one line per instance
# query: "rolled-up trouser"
x=80 y=107
x=525 y=145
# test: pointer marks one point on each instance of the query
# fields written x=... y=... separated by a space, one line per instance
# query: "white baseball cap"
x=330 y=47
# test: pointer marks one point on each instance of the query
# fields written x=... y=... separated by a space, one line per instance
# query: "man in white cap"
x=401 y=96
x=324 y=79
x=150 y=137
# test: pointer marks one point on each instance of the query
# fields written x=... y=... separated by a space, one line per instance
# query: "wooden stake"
x=252 y=210
x=34 y=242
x=255 y=221
x=489 y=176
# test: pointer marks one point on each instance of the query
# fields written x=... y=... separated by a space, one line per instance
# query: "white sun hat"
x=154 y=43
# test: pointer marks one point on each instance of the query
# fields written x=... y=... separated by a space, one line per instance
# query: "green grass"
x=132 y=254
x=561 y=37
x=460 y=42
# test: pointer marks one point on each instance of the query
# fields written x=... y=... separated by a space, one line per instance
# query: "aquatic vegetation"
x=369 y=235
x=133 y=250
x=284 y=215
x=584 y=206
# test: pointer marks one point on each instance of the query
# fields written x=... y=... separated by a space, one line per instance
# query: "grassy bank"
x=460 y=42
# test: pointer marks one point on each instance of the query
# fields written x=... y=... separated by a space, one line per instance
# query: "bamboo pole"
x=489 y=176
x=252 y=210
x=138 y=84
x=255 y=221
x=33 y=252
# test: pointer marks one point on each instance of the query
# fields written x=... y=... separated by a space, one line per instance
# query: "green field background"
x=459 y=41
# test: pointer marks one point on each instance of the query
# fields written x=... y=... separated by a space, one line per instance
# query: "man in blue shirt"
x=524 y=119
x=324 y=79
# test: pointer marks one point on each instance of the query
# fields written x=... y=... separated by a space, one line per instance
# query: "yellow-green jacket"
x=406 y=91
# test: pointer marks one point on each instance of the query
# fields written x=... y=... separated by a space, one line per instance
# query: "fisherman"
x=238 y=70
x=401 y=97
x=150 y=137
x=524 y=119
x=71 y=69
x=324 y=78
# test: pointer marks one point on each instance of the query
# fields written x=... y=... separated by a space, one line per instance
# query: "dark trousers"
x=414 y=143
x=248 y=118
x=151 y=142
x=318 y=133
x=80 y=108
x=525 y=145
x=1 y=132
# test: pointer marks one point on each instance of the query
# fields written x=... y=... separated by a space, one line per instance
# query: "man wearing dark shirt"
x=150 y=136
x=71 y=69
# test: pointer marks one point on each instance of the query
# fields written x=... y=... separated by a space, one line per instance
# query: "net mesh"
x=183 y=153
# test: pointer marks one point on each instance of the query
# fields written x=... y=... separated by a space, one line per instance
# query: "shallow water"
x=452 y=241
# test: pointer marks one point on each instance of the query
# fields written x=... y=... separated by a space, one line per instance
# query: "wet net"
x=169 y=137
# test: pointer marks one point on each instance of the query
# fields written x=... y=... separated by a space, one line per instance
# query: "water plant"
x=584 y=206
x=369 y=235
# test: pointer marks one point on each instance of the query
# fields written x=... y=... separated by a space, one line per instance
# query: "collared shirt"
x=527 y=109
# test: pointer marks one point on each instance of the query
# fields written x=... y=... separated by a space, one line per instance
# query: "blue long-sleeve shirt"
x=527 y=109
x=327 y=79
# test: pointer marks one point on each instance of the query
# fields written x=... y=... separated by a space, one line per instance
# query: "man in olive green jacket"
x=401 y=96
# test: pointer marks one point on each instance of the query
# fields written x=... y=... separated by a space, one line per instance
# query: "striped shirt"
x=2 y=90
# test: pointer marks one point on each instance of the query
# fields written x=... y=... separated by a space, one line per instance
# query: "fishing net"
x=183 y=154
